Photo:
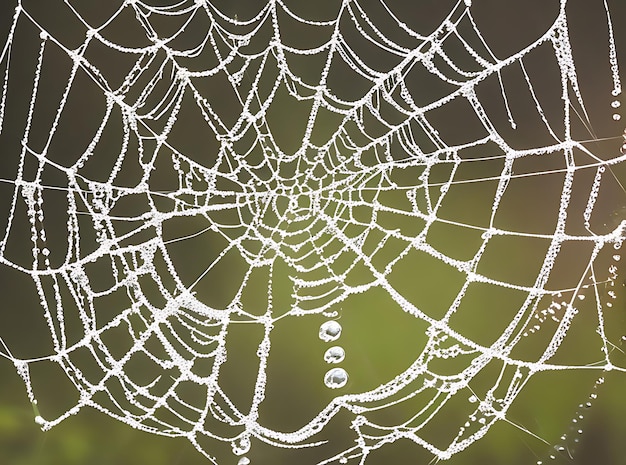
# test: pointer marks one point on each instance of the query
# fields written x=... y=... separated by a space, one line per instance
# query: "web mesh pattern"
x=400 y=159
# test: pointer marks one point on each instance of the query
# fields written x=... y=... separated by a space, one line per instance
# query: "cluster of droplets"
x=557 y=307
x=336 y=377
x=552 y=312
x=613 y=274
x=617 y=86
x=616 y=104
x=570 y=441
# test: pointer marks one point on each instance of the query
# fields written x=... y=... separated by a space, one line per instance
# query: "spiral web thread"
x=383 y=156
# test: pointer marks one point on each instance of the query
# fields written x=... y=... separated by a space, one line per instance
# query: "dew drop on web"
x=330 y=331
x=335 y=354
x=241 y=445
x=336 y=378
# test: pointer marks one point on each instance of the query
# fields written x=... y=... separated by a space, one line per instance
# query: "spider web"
x=193 y=182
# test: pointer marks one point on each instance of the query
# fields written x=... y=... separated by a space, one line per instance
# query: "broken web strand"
x=383 y=87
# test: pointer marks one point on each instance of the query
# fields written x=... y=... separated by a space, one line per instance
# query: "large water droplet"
x=336 y=378
x=330 y=331
x=335 y=354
